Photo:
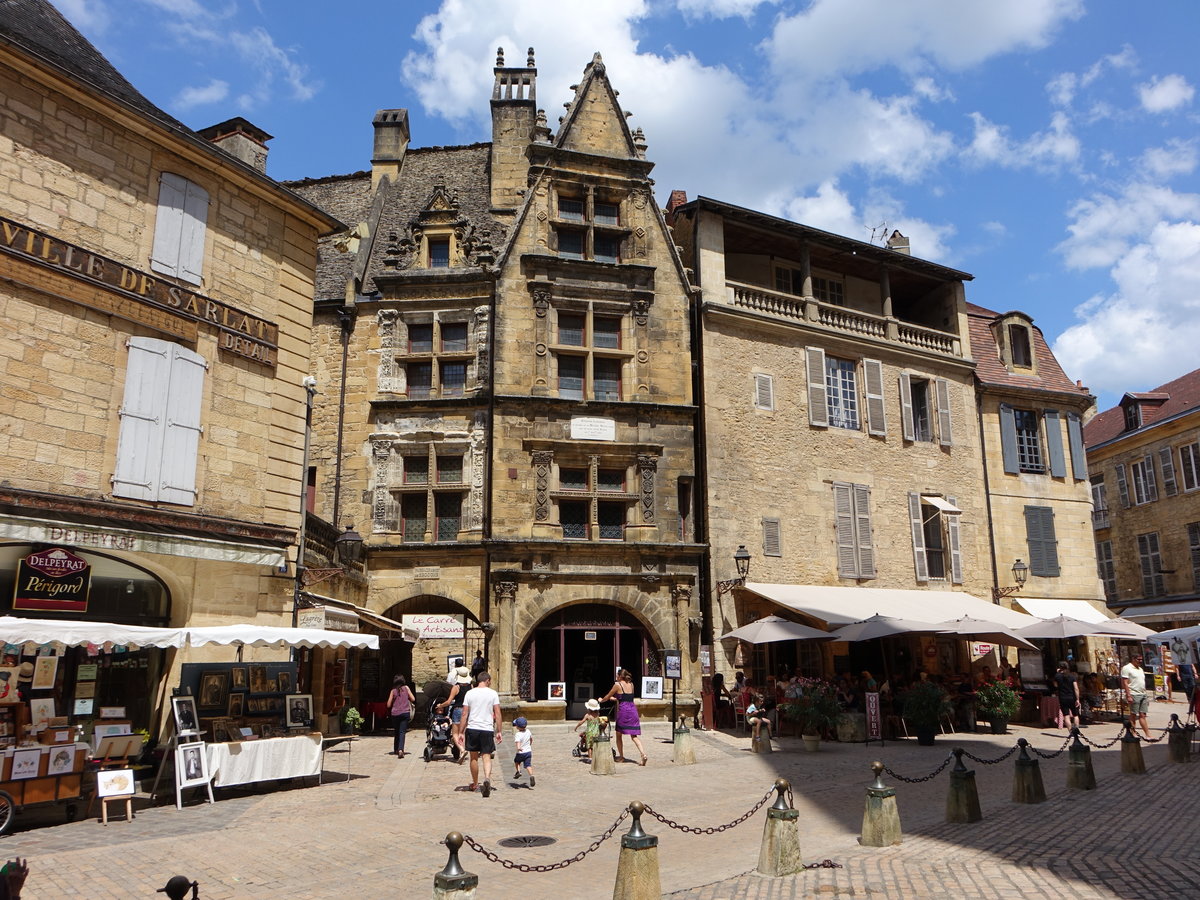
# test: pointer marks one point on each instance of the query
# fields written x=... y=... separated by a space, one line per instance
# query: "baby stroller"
x=439 y=735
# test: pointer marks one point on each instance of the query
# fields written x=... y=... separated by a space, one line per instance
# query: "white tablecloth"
x=267 y=759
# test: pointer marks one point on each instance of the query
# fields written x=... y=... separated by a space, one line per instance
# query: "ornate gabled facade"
x=513 y=432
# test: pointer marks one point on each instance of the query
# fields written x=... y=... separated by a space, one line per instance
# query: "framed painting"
x=284 y=680
x=191 y=764
x=115 y=782
x=239 y=680
x=85 y=689
x=556 y=690
x=214 y=690
x=186 y=720
x=41 y=710
x=25 y=763
x=652 y=688
x=298 y=710
x=62 y=761
x=258 y=679
x=237 y=706
x=45 y=670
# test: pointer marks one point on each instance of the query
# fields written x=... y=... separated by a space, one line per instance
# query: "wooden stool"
x=127 y=799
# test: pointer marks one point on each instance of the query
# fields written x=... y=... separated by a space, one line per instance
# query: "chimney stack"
x=899 y=243
x=514 y=119
x=241 y=140
x=391 y=143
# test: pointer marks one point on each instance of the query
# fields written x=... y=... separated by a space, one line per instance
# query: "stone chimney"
x=391 y=143
x=899 y=243
x=514 y=118
x=241 y=140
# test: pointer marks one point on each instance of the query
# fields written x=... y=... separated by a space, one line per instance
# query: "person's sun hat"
x=462 y=675
x=26 y=672
x=593 y=705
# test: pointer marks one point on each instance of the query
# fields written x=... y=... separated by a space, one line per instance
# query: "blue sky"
x=1049 y=147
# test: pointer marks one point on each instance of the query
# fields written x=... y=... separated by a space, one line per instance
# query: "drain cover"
x=528 y=840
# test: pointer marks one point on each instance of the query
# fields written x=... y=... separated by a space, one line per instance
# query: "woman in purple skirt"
x=628 y=721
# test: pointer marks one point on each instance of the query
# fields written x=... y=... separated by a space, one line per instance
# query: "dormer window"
x=1019 y=346
x=439 y=253
x=1133 y=416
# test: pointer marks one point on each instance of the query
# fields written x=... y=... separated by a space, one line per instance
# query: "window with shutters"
x=589 y=354
x=1021 y=442
x=1193 y=533
x=924 y=402
x=1167 y=464
x=159 y=439
x=764 y=391
x=922 y=421
x=841 y=392
x=1189 y=466
x=1099 y=503
x=1106 y=569
x=852 y=528
x=1150 y=558
x=1144 y=488
x=1029 y=442
x=937 y=549
x=1042 y=541
x=180 y=229
x=593 y=501
x=772 y=537
x=428 y=486
x=436 y=359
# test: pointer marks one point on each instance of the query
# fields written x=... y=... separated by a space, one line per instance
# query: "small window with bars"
x=1029 y=441
x=454 y=337
x=607 y=214
x=610 y=518
x=414 y=519
x=571 y=209
x=453 y=378
x=571 y=328
x=573 y=515
x=448 y=511
x=439 y=253
x=416 y=469
x=420 y=338
x=449 y=469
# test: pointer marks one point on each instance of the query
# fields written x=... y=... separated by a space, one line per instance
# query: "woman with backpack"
x=400 y=706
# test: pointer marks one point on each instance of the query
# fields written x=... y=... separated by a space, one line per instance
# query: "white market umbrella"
x=265 y=635
x=1136 y=630
x=1065 y=627
x=883 y=626
x=1190 y=633
x=989 y=632
x=775 y=628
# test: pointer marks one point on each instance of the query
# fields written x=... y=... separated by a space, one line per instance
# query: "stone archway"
x=428 y=659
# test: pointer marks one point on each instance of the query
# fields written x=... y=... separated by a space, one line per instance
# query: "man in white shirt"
x=480 y=729
x=1133 y=683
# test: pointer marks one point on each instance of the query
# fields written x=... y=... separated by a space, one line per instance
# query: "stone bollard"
x=1179 y=741
x=780 y=850
x=1132 y=761
x=602 y=758
x=637 y=866
x=685 y=751
x=1027 y=777
x=881 y=817
x=761 y=742
x=453 y=882
x=1080 y=774
x=962 y=802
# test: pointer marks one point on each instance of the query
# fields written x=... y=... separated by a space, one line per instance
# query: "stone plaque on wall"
x=427 y=573
x=593 y=428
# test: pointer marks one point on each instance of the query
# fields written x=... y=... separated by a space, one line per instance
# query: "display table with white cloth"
x=267 y=759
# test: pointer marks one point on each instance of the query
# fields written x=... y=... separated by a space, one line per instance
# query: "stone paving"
x=377 y=835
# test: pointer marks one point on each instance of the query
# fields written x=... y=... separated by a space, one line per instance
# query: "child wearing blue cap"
x=523 y=739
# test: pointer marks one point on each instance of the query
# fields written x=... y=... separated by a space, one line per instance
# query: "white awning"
x=1075 y=609
x=366 y=615
x=938 y=503
x=265 y=635
x=1164 y=612
x=73 y=633
x=843 y=605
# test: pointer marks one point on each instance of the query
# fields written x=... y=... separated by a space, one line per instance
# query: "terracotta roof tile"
x=1183 y=395
x=991 y=371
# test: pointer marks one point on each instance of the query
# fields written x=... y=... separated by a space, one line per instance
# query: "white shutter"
x=143 y=419
x=1168 y=471
x=956 y=566
x=843 y=508
x=918 y=533
x=906 y=409
x=945 y=436
x=1122 y=485
x=862 y=523
x=168 y=224
x=181 y=439
x=191 y=244
x=764 y=391
x=1151 y=486
x=876 y=411
x=818 y=404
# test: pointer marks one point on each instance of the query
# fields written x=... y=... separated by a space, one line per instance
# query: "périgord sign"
x=54 y=579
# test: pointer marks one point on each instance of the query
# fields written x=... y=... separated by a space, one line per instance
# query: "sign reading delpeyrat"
x=54 y=579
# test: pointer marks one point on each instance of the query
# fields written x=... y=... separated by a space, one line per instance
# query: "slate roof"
x=347 y=198
x=1181 y=395
x=990 y=368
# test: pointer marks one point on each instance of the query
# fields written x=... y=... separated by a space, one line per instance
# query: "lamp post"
x=1020 y=574
x=741 y=559
x=348 y=546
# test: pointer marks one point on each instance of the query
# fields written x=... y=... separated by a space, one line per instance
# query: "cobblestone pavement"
x=377 y=835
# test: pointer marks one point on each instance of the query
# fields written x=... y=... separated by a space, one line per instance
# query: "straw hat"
x=593 y=705
x=462 y=675
x=26 y=672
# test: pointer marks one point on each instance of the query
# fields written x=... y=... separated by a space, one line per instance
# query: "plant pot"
x=812 y=742
x=925 y=734
x=999 y=725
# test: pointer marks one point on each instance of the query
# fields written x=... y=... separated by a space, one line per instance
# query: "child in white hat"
x=590 y=723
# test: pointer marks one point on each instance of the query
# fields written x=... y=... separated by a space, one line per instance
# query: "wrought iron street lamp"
x=741 y=559
x=1020 y=573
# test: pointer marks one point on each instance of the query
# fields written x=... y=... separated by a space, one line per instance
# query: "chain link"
x=717 y=829
x=491 y=856
x=991 y=762
x=1059 y=752
x=1088 y=740
x=1157 y=739
x=934 y=774
x=824 y=864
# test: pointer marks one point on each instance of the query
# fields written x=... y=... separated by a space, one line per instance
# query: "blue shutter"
x=1008 y=439
x=818 y=404
x=143 y=419
x=1054 y=443
x=920 y=560
x=181 y=439
x=1078 y=455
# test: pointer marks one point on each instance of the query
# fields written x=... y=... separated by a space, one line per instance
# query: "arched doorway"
x=582 y=647
x=428 y=658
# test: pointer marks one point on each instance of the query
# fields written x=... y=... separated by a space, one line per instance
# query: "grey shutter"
x=1122 y=485
x=191 y=241
x=168 y=224
x=918 y=533
x=1043 y=545
x=143 y=416
x=1079 y=466
x=764 y=391
x=1194 y=550
x=1008 y=439
x=818 y=405
x=906 y=409
x=876 y=411
x=181 y=438
x=1151 y=485
x=1054 y=443
x=772 y=544
x=952 y=523
x=945 y=437
x=843 y=509
x=862 y=531
x=1168 y=471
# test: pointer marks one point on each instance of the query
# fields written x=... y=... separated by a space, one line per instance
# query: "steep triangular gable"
x=594 y=122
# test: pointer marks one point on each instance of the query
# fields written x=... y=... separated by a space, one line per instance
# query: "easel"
x=177 y=740
x=117 y=752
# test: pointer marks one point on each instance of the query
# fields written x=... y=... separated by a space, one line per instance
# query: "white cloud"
x=213 y=92
x=1054 y=147
x=259 y=49
x=1106 y=227
x=87 y=15
x=1178 y=157
x=720 y=9
x=1063 y=87
x=1165 y=94
x=928 y=89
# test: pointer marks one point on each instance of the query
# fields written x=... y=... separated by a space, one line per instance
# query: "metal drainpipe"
x=310 y=389
x=699 y=448
x=987 y=492
x=485 y=602
x=345 y=317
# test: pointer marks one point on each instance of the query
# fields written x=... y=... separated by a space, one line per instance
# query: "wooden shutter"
x=862 y=531
x=168 y=224
x=191 y=243
x=764 y=391
x=772 y=543
x=1194 y=550
x=847 y=549
x=1043 y=545
x=876 y=410
x=906 y=408
x=918 y=533
x=945 y=434
x=181 y=439
x=1122 y=485
x=1008 y=439
x=1054 y=443
x=143 y=419
x=952 y=523
x=1151 y=485
x=818 y=404
x=1167 y=461
x=1079 y=466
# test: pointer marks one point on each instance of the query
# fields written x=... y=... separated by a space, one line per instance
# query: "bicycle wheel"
x=8 y=810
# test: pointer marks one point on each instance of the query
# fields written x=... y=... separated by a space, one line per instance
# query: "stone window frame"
x=390 y=517
x=588 y=351
x=397 y=355
x=587 y=223
x=1019 y=354
x=928 y=520
x=638 y=498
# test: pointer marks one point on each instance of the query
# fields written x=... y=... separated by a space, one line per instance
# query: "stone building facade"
x=1144 y=466
x=514 y=429
x=157 y=298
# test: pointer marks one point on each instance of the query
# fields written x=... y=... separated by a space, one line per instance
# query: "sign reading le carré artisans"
x=241 y=333
x=53 y=579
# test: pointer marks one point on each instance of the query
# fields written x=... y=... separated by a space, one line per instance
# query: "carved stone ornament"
x=682 y=594
x=643 y=356
x=540 y=349
x=482 y=357
x=641 y=310
x=542 y=460
x=541 y=303
x=647 y=465
x=505 y=590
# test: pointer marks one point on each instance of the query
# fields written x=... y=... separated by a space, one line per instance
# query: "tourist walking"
x=628 y=721
x=480 y=729
x=400 y=706
x=1133 y=683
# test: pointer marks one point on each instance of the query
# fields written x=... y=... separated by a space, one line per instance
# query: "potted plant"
x=997 y=703
x=925 y=703
x=815 y=710
x=351 y=720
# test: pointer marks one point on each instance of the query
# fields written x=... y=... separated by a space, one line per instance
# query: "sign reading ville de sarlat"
x=131 y=294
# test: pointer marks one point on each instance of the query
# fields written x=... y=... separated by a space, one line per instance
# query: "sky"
x=1048 y=147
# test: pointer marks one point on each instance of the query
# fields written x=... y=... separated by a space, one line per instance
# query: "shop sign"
x=673 y=663
x=979 y=650
x=436 y=626
x=53 y=579
x=874 y=716
x=327 y=619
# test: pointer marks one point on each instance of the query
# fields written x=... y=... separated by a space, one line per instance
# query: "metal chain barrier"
x=1088 y=740
x=824 y=864
x=1165 y=732
x=1059 y=752
x=934 y=774
x=718 y=828
x=491 y=856
x=991 y=762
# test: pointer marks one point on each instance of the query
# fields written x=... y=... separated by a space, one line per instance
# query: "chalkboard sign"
x=368 y=680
